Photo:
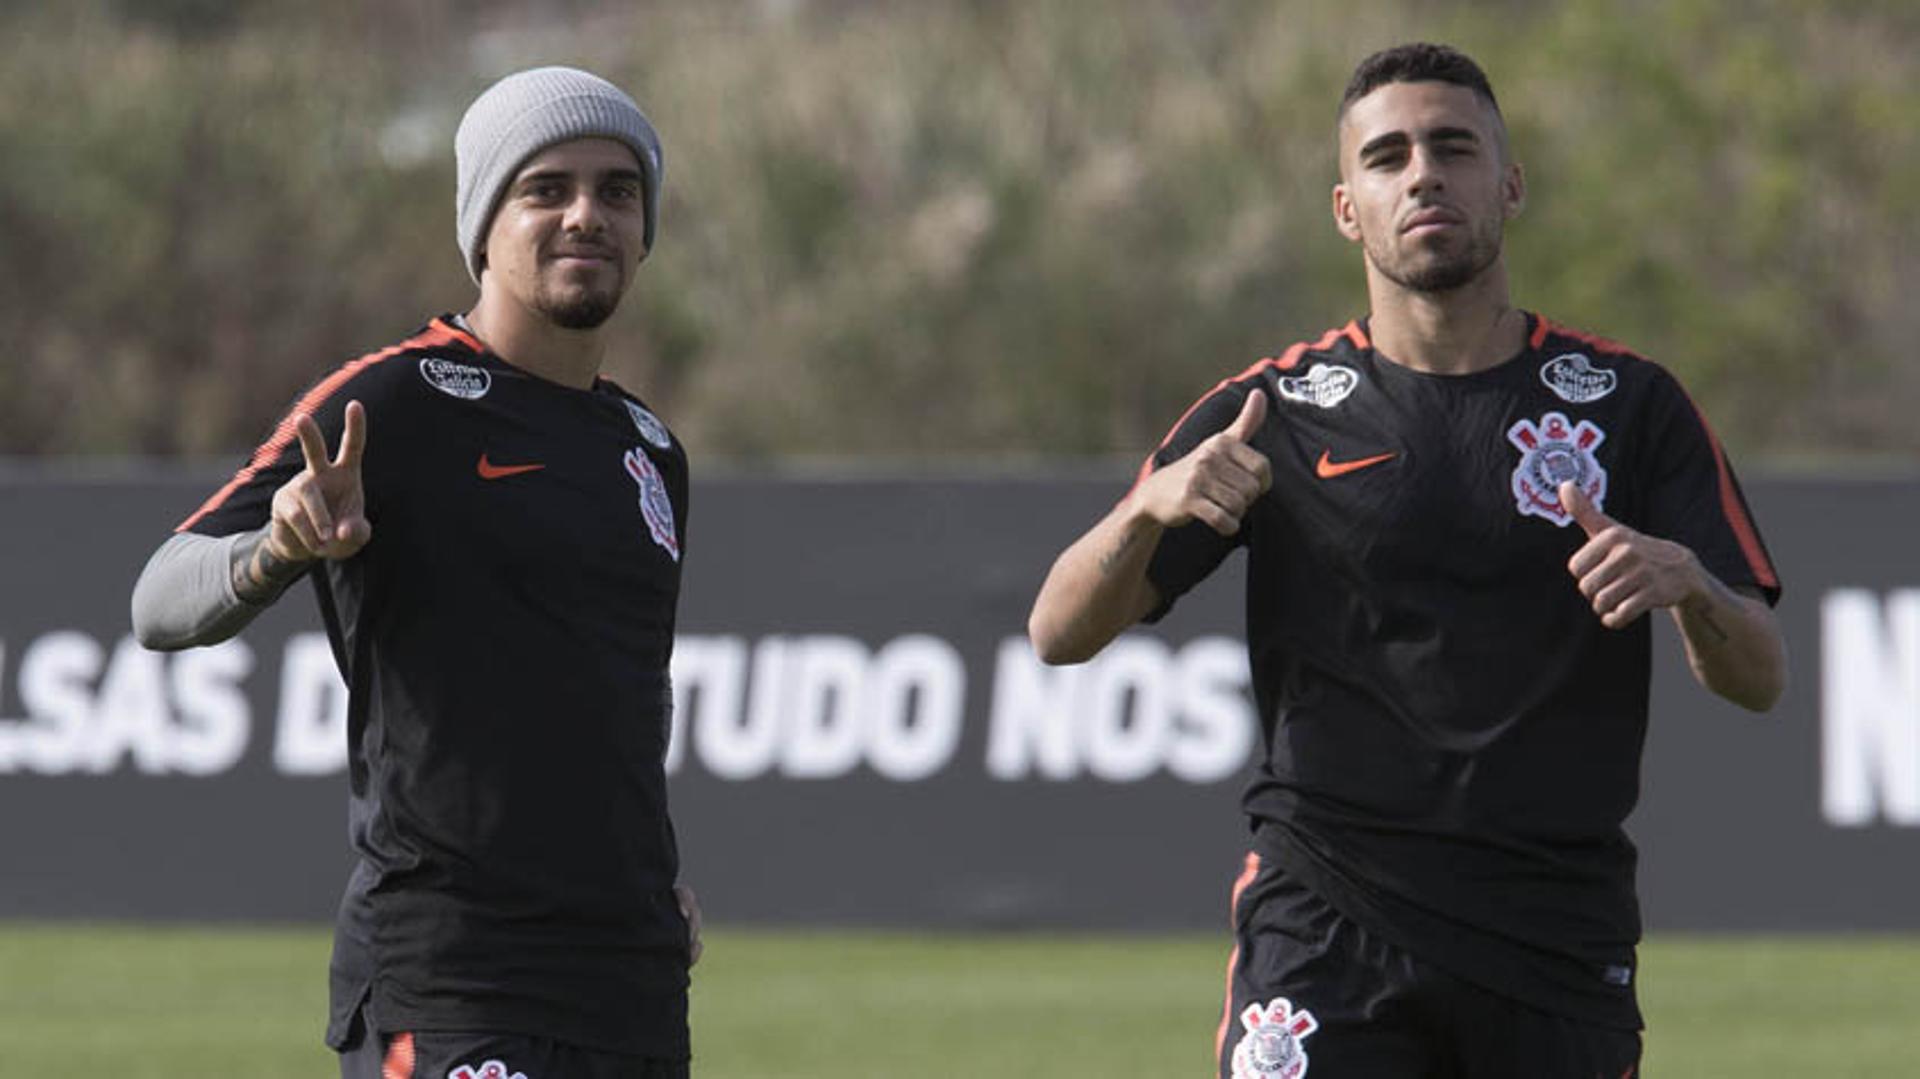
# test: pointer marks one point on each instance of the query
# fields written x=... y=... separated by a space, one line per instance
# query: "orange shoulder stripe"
x=1544 y=326
x=436 y=333
x=1286 y=361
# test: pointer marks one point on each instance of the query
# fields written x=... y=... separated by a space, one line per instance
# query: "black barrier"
x=863 y=737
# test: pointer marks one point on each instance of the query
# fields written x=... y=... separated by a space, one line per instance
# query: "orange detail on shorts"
x=436 y=333
x=1250 y=870
x=399 y=1062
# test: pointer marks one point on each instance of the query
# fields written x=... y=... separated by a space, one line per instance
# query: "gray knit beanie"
x=527 y=112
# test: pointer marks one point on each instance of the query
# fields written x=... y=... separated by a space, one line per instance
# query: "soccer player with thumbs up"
x=1457 y=515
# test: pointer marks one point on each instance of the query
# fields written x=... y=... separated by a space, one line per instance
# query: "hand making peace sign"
x=321 y=513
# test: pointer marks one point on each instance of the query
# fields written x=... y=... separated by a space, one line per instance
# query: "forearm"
x=199 y=590
x=1096 y=588
x=1734 y=645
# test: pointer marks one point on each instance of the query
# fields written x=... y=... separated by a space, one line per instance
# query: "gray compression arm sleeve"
x=185 y=595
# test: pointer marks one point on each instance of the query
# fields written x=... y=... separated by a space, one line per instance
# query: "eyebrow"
x=630 y=175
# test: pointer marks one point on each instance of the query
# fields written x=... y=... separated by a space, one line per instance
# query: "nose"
x=1424 y=175
x=584 y=213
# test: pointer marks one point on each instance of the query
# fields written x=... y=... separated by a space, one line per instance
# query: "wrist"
x=260 y=571
x=1705 y=592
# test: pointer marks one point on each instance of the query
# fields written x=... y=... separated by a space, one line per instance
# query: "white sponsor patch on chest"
x=1574 y=379
x=1553 y=451
x=1323 y=386
x=456 y=379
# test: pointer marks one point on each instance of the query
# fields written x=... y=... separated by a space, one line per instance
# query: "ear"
x=1513 y=190
x=1345 y=217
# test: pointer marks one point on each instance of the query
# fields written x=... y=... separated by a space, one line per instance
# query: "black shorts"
x=435 y=1054
x=1312 y=992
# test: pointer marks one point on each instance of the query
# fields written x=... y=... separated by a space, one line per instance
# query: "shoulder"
x=438 y=356
x=1311 y=371
x=652 y=429
x=1302 y=369
x=1558 y=340
x=1577 y=359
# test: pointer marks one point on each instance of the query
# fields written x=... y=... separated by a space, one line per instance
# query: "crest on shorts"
x=650 y=426
x=492 y=1069
x=1552 y=452
x=1272 y=1044
x=460 y=380
x=655 y=506
x=1323 y=386
x=1574 y=379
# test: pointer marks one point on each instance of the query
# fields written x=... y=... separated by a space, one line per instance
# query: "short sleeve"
x=1188 y=554
x=245 y=502
x=1695 y=499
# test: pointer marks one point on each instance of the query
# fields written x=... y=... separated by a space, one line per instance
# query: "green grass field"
x=144 y=1003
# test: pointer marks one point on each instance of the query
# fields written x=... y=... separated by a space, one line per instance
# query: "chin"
x=582 y=311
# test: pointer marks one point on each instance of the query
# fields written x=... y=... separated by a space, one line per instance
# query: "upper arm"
x=1186 y=555
x=1694 y=497
x=245 y=501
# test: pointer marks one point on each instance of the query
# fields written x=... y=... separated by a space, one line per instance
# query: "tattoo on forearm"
x=259 y=575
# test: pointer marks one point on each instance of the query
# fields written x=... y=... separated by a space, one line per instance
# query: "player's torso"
x=1385 y=474
x=502 y=482
x=511 y=621
x=1412 y=552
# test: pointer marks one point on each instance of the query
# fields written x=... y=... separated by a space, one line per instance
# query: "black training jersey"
x=1453 y=739
x=505 y=638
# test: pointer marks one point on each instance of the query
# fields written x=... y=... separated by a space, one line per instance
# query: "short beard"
x=1447 y=274
x=583 y=312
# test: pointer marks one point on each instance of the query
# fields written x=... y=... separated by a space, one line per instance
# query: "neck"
x=536 y=345
x=1469 y=329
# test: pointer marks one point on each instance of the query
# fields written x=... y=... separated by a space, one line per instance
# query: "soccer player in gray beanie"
x=498 y=570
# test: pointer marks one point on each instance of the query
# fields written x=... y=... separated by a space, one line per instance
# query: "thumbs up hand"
x=1219 y=481
x=1625 y=573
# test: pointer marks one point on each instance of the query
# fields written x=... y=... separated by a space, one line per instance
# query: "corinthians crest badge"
x=1273 y=1045
x=655 y=505
x=1552 y=452
x=492 y=1069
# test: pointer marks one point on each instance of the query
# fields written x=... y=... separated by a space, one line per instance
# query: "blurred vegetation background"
x=991 y=229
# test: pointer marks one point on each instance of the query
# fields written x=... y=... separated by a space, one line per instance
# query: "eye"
x=543 y=191
x=622 y=191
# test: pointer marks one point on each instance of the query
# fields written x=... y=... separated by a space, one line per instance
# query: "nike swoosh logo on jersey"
x=490 y=471
x=1327 y=468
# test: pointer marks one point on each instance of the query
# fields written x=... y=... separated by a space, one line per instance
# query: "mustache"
x=588 y=249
